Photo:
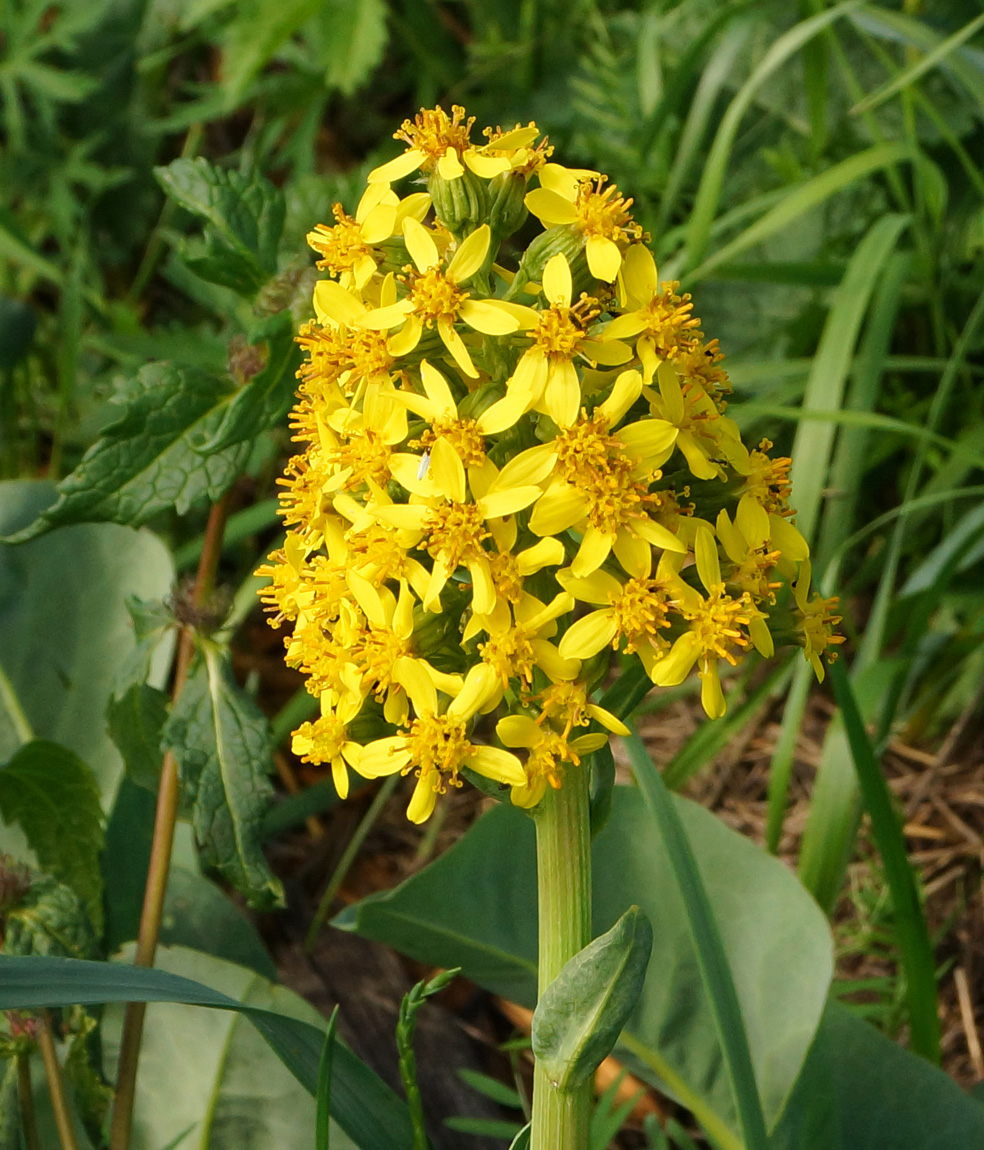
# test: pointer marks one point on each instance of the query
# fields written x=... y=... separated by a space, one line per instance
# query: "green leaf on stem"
x=582 y=1012
x=54 y=798
x=148 y=460
x=244 y=218
x=322 y=1125
x=267 y=397
x=48 y=920
x=220 y=739
x=136 y=721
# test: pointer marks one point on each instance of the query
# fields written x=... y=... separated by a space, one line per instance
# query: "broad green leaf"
x=266 y=399
x=580 y=1015
x=147 y=461
x=54 y=798
x=226 y=1087
x=322 y=1123
x=351 y=36
x=858 y=1090
x=712 y=959
x=135 y=722
x=244 y=218
x=366 y=1109
x=475 y=907
x=221 y=741
x=66 y=628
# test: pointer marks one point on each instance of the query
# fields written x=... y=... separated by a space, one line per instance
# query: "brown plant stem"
x=56 y=1087
x=26 y=1095
x=165 y=819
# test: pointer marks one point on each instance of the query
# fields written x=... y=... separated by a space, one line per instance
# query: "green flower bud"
x=507 y=212
x=461 y=204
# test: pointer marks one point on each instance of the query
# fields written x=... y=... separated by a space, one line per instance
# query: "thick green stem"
x=563 y=853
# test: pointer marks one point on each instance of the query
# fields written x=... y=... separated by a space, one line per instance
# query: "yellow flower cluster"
x=515 y=463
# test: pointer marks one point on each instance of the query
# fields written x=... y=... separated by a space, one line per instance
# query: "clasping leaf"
x=581 y=1013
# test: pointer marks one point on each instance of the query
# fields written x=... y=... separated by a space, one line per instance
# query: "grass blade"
x=910 y=923
x=804 y=198
x=712 y=181
x=714 y=970
x=322 y=1125
x=919 y=67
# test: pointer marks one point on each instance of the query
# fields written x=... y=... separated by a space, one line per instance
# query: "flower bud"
x=507 y=212
x=461 y=204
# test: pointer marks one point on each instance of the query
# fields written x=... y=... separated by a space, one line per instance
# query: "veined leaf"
x=220 y=739
x=147 y=461
x=54 y=798
x=244 y=218
x=136 y=721
x=368 y=1111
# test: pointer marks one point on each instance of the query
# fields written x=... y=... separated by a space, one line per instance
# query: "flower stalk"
x=563 y=859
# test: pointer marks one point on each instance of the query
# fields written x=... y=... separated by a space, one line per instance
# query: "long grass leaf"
x=825 y=387
x=712 y=180
x=915 y=947
x=711 y=958
x=805 y=198
x=919 y=67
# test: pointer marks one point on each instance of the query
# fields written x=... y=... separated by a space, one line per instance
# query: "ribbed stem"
x=563 y=853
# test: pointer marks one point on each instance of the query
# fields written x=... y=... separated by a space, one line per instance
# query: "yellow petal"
x=761 y=636
x=625 y=391
x=339 y=776
x=669 y=389
x=598 y=587
x=611 y=354
x=546 y=553
x=639 y=273
x=625 y=326
x=413 y=678
x=488 y=317
x=480 y=683
x=563 y=180
x=420 y=244
x=648 y=438
x=557 y=282
x=470 y=255
x=530 y=466
x=633 y=553
x=503 y=414
x=560 y=507
x=549 y=207
x=596 y=546
x=498 y=503
x=587 y=636
x=384 y=757
x=517 y=138
x=787 y=539
x=334 y=304
x=486 y=166
x=604 y=258
x=752 y=520
x=402 y=166
x=368 y=598
x=456 y=346
x=526 y=797
x=706 y=554
x=518 y=731
x=496 y=764
x=678 y=662
x=383 y=318
x=424 y=798
x=417 y=205
x=438 y=392
x=379 y=224
x=447 y=471
x=711 y=695
x=562 y=395
x=607 y=719
x=553 y=664
x=449 y=165
x=406 y=339
x=483 y=589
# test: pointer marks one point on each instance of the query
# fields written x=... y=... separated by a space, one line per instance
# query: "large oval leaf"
x=475 y=908
x=65 y=625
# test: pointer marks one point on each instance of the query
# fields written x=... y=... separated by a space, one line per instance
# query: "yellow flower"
x=326 y=740
x=548 y=757
x=442 y=142
x=817 y=621
x=437 y=745
x=597 y=213
x=714 y=629
x=436 y=297
x=546 y=374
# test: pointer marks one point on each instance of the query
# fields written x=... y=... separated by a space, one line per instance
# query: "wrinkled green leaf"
x=54 y=798
x=154 y=628
x=269 y=395
x=582 y=1012
x=66 y=628
x=221 y=741
x=475 y=907
x=136 y=721
x=244 y=218
x=364 y=1106
x=49 y=920
x=146 y=462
